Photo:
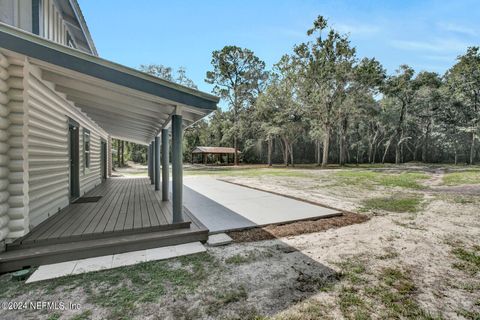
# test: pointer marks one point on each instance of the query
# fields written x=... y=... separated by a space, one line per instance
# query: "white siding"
x=17 y=13
x=4 y=146
x=13 y=158
x=54 y=27
x=48 y=150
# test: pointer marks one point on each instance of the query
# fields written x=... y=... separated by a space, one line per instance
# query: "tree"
x=400 y=87
x=279 y=109
x=366 y=79
x=167 y=73
x=325 y=71
x=426 y=103
x=237 y=77
x=463 y=81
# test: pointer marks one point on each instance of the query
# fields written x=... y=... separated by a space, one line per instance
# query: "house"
x=60 y=106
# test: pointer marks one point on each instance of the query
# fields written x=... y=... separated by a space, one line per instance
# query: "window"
x=37 y=16
x=70 y=42
x=86 y=148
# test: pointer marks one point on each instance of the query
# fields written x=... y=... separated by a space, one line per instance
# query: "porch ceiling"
x=127 y=103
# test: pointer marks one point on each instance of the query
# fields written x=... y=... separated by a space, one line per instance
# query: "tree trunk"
x=358 y=154
x=386 y=148
x=398 y=153
x=291 y=154
x=284 y=146
x=472 y=149
x=122 y=155
x=118 y=153
x=426 y=143
x=343 y=141
x=326 y=145
x=318 y=147
x=269 y=156
x=235 y=156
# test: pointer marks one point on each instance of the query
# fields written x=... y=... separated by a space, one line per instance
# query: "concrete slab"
x=62 y=269
x=223 y=206
x=129 y=258
x=93 y=264
x=160 y=253
x=51 y=271
x=219 y=239
x=189 y=248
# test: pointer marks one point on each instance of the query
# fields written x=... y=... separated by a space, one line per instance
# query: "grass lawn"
x=248 y=171
x=463 y=177
x=395 y=203
x=409 y=180
x=121 y=290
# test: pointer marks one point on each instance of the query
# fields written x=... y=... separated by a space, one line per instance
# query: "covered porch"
x=129 y=105
x=128 y=215
x=119 y=206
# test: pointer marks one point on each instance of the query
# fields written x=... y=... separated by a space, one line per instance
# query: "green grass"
x=120 y=290
x=408 y=180
x=389 y=292
x=464 y=177
x=396 y=203
x=307 y=310
x=469 y=260
x=248 y=172
x=224 y=298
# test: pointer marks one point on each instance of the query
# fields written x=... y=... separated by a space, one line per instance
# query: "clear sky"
x=427 y=35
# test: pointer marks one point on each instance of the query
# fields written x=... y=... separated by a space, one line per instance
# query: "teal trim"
x=75 y=60
x=165 y=165
x=177 y=169
x=156 y=149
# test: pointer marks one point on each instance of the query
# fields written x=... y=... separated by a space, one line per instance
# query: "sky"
x=427 y=34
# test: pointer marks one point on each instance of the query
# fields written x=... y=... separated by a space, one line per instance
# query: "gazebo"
x=218 y=152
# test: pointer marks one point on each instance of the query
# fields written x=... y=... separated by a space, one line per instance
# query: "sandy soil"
x=279 y=277
x=421 y=242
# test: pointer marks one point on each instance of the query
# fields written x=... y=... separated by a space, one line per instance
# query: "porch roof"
x=215 y=150
x=127 y=103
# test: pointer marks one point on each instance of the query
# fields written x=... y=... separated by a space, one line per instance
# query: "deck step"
x=53 y=253
x=20 y=245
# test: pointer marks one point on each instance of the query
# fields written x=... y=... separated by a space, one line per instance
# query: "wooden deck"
x=128 y=205
x=130 y=215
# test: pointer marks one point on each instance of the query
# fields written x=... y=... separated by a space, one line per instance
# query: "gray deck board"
x=127 y=204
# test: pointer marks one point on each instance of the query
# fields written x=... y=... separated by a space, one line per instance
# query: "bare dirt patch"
x=297 y=228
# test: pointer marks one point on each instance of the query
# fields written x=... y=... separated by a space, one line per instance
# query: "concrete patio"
x=223 y=206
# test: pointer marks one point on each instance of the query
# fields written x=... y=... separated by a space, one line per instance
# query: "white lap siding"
x=49 y=153
x=14 y=209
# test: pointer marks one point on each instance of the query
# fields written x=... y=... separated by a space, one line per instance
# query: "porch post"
x=165 y=168
x=157 y=163
x=149 y=159
x=177 y=168
x=152 y=181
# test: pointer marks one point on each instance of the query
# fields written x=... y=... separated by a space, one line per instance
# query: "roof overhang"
x=127 y=103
